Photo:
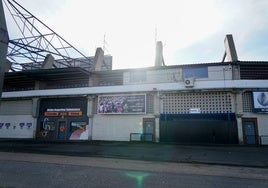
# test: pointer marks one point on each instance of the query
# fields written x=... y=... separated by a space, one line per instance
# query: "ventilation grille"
x=254 y=72
x=208 y=102
x=247 y=101
x=149 y=104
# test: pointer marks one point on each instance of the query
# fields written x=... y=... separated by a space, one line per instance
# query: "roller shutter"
x=16 y=107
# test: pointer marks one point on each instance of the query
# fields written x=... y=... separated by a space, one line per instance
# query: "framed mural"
x=260 y=101
x=122 y=104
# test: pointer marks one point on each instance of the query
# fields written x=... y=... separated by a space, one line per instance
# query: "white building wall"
x=219 y=73
x=263 y=128
x=116 y=127
x=18 y=114
x=16 y=130
x=16 y=107
x=155 y=76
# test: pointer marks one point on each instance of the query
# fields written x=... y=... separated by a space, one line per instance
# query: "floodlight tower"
x=3 y=46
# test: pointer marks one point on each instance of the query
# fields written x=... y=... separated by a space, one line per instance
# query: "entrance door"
x=62 y=125
x=250 y=131
x=148 y=129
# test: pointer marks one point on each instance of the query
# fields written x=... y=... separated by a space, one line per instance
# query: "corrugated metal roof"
x=45 y=74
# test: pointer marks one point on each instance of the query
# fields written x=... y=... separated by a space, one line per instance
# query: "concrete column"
x=39 y=85
x=35 y=112
x=239 y=113
x=156 y=103
x=90 y=114
x=157 y=131
x=4 y=39
x=239 y=104
x=98 y=59
x=159 y=60
x=157 y=115
x=240 y=131
x=48 y=62
x=230 y=48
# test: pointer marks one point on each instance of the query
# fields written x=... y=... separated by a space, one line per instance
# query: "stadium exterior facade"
x=218 y=103
x=84 y=99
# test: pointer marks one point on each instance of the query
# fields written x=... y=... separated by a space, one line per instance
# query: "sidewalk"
x=250 y=156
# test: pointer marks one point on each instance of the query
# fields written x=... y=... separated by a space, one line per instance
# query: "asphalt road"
x=41 y=170
x=248 y=156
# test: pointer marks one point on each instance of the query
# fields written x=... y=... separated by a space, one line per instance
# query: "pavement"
x=231 y=155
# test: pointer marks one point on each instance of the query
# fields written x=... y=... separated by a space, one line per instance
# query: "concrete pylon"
x=98 y=59
x=48 y=62
x=230 y=50
x=159 y=59
x=4 y=39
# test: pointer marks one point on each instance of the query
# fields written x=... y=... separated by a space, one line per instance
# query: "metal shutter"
x=16 y=107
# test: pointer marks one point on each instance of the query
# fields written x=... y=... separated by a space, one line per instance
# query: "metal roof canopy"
x=37 y=40
x=46 y=75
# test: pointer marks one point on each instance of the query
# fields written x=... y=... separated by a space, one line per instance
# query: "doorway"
x=250 y=131
x=62 y=127
x=148 y=129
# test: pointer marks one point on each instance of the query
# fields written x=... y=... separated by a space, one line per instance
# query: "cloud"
x=247 y=20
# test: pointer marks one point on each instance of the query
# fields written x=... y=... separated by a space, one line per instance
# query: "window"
x=200 y=72
x=247 y=101
x=138 y=76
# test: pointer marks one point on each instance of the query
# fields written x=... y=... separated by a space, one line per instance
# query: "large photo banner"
x=260 y=99
x=122 y=104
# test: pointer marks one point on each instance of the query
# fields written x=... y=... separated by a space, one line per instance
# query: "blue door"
x=148 y=129
x=250 y=132
x=62 y=130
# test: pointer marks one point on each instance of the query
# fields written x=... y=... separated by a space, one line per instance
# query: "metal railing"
x=256 y=140
x=142 y=137
x=263 y=139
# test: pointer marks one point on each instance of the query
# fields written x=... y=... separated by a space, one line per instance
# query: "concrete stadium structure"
x=221 y=103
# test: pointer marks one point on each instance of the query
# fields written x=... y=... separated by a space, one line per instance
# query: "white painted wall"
x=219 y=73
x=116 y=127
x=156 y=76
x=15 y=130
x=263 y=127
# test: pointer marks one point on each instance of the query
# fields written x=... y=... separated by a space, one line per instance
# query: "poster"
x=260 y=101
x=122 y=104
x=79 y=131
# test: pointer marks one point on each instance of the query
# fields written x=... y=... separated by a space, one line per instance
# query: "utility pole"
x=3 y=46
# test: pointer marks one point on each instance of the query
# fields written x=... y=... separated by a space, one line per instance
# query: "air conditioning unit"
x=189 y=82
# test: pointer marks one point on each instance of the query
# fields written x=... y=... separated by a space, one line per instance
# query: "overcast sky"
x=192 y=31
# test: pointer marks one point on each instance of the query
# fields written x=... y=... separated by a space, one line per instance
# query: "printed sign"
x=195 y=111
x=63 y=112
x=260 y=101
x=122 y=104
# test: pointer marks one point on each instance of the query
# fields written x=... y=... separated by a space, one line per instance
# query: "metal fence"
x=263 y=139
x=142 y=137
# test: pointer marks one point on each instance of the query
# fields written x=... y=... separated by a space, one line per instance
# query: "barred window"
x=247 y=101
